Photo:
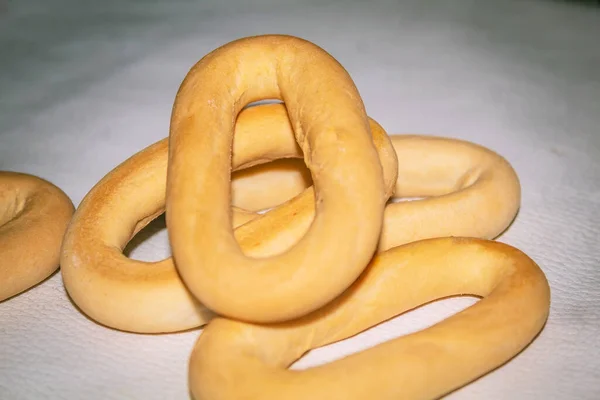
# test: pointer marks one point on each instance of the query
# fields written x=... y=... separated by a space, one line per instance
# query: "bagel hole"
x=262 y=102
x=264 y=186
x=151 y=243
x=421 y=187
x=404 y=199
x=411 y=321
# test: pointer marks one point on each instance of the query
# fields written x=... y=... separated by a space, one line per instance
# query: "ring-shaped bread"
x=332 y=129
x=149 y=297
x=34 y=215
x=481 y=206
x=235 y=360
x=463 y=189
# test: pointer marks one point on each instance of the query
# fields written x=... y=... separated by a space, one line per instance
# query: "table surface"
x=84 y=86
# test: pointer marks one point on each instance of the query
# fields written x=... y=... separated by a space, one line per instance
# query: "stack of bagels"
x=310 y=248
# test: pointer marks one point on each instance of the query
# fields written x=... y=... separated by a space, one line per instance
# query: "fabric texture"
x=85 y=85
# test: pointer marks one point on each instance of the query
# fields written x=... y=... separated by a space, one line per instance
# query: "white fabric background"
x=84 y=85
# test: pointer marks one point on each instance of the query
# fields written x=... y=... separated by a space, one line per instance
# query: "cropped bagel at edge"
x=34 y=215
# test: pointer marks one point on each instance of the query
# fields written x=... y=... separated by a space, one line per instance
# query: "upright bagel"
x=330 y=125
x=101 y=280
x=34 y=215
x=235 y=360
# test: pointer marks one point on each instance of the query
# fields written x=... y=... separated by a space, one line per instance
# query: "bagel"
x=34 y=215
x=273 y=286
x=463 y=189
x=330 y=125
x=236 y=360
x=101 y=280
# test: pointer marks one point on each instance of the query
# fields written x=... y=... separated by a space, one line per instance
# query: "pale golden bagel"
x=466 y=190
x=234 y=360
x=159 y=302
x=101 y=280
x=34 y=215
x=332 y=129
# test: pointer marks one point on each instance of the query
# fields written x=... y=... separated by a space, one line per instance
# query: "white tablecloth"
x=84 y=85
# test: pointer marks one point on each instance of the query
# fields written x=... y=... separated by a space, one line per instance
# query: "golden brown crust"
x=158 y=300
x=468 y=190
x=235 y=360
x=349 y=201
x=100 y=279
x=464 y=189
x=297 y=274
x=34 y=215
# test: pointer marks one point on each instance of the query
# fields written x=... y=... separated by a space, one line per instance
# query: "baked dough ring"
x=467 y=190
x=147 y=297
x=34 y=215
x=159 y=302
x=330 y=125
x=234 y=360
